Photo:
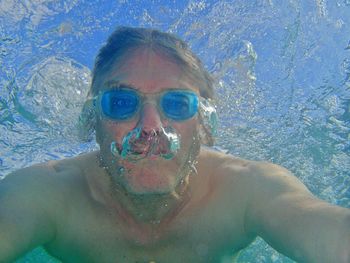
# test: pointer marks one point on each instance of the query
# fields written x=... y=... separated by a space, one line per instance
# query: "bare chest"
x=207 y=234
x=209 y=229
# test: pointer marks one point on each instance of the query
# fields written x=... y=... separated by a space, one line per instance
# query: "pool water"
x=282 y=71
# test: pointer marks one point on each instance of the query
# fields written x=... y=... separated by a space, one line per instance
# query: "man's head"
x=125 y=40
x=142 y=68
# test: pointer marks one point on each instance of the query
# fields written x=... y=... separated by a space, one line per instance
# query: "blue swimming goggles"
x=124 y=103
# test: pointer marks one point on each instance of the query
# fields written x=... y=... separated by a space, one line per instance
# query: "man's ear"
x=87 y=121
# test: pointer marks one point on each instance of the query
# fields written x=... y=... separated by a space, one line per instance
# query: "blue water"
x=282 y=78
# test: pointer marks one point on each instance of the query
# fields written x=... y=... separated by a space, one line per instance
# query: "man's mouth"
x=136 y=146
x=148 y=150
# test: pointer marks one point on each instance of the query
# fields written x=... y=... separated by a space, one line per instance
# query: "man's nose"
x=150 y=118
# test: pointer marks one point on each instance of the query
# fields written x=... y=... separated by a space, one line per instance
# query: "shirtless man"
x=153 y=192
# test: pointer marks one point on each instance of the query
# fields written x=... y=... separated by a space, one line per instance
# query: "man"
x=152 y=193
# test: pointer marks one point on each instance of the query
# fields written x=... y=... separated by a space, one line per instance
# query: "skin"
x=81 y=212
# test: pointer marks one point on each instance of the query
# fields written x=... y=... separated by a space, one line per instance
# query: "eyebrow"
x=117 y=84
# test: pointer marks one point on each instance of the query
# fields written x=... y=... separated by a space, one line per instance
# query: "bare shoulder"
x=226 y=168
x=250 y=181
x=44 y=173
x=231 y=177
x=275 y=180
x=33 y=201
x=252 y=188
x=46 y=183
x=259 y=173
x=221 y=163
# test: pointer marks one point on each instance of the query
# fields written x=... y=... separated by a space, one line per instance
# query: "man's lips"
x=147 y=150
x=156 y=148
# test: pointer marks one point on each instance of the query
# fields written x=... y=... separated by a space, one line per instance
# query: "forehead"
x=148 y=71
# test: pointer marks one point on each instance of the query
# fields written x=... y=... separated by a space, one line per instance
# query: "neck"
x=152 y=208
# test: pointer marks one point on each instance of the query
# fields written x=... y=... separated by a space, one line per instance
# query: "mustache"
x=156 y=143
x=139 y=144
x=150 y=143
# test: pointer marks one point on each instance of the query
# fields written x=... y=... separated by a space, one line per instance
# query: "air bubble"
x=121 y=169
x=346 y=66
x=348 y=46
x=151 y=143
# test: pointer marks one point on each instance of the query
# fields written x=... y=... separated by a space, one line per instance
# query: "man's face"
x=148 y=73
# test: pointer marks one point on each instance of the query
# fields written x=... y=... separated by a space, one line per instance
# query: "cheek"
x=110 y=130
x=187 y=129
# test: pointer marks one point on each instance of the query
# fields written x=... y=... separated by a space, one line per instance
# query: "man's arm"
x=24 y=221
x=293 y=221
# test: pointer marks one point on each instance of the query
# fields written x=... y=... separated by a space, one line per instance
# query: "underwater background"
x=282 y=72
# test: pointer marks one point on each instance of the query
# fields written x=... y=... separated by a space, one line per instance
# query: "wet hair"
x=125 y=40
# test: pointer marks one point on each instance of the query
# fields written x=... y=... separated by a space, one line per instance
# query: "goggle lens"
x=123 y=104
x=120 y=105
x=179 y=105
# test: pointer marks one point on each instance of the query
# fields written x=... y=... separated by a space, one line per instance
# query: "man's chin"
x=137 y=188
x=149 y=179
x=154 y=163
x=142 y=192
